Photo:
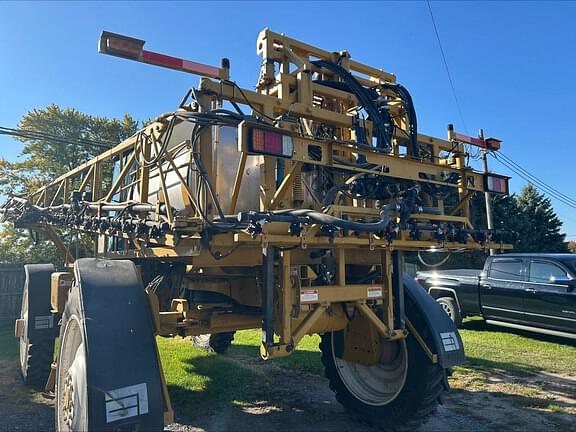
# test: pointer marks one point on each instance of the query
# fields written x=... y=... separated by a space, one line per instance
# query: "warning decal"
x=310 y=295
x=374 y=292
x=126 y=402
x=450 y=341
x=43 y=322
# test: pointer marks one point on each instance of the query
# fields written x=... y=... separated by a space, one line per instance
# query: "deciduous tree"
x=45 y=159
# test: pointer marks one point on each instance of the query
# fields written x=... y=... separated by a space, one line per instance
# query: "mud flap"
x=447 y=344
x=37 y=326
x=40 y=321
x=122 y=368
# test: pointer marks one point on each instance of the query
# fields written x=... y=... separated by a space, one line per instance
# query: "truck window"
x=506 y=270
x=543 y=272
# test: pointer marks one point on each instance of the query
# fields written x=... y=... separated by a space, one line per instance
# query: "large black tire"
x=217 y=342
x=39 y=326
x=108 y=374
x=451 y=308
x=395 y=404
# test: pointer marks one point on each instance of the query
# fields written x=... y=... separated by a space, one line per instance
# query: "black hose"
x=404 y=94
x=307 y=216
x=366 y=98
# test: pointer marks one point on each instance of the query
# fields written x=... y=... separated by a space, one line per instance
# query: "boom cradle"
x=287 y=208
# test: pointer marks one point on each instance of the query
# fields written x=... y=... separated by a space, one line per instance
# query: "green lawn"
x=520 y=353
x=486 y=347
x=8 y=344
x=201 y=382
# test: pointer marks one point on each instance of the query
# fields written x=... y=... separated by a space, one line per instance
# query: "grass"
x=306 y=357
x=516 y=352
x=8 y=344
x=201 y=383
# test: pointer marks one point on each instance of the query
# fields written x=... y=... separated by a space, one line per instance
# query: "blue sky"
x=513 y=63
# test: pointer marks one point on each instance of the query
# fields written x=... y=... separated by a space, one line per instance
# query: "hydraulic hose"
x=307 y=217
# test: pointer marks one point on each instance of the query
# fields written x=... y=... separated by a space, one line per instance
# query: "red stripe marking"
x=468 y=139
x=162 y=60
x=201 y=69
x=180 y=64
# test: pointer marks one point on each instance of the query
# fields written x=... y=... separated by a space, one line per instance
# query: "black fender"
x=445 y=341
x=122 y=362
x=41 y=325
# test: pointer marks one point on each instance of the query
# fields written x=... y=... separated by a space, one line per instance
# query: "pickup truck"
x=534 y=292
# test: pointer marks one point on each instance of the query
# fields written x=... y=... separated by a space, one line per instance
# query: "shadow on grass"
x=514 y=368
x=301 y=359
x=480 y=325
x=222 y=381
x=8 y=343
x=238 y=395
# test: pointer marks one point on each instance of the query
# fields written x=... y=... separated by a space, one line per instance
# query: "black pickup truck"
x=535 y=292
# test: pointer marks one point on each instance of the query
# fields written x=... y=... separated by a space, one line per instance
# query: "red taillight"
x=270 y=142
x=496 y=184
x=273 y=143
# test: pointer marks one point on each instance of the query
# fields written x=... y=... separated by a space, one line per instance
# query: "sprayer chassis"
x=288 y=277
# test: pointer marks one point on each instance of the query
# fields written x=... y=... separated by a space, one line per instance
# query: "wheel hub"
x=447 y=309
x=378 y=384
x=68 y=400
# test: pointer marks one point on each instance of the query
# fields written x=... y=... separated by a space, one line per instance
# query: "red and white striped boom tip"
x=132 y=48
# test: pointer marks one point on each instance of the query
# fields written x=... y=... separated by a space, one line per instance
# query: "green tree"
x=540 y=231
x=17 y=247
x=47 y=159
x=44 y=160
x=507 y=214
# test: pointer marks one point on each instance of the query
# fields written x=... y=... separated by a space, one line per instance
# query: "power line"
x=36 y=135
x=555 y=193
x=539 y=184
x=446 y=66
x=537 y=180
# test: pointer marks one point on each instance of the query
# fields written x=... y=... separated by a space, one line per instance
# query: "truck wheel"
x=36 y=327
x=450 y=306
x=217 y=342
x=399 y=392
x=108 y=375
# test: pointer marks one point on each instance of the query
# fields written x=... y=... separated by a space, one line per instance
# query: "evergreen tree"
x=540 y=230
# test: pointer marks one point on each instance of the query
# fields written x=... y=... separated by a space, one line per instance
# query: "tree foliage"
x=532 y=216
x=42 y=160
x=17 y=247
x=540 y=227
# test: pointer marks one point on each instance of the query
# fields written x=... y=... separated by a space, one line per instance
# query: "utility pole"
x=487 y=197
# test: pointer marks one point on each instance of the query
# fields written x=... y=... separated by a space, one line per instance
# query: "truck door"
x=548 y=304
x=502 y=290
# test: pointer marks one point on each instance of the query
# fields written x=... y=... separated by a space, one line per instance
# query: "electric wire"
x=446 y=67
x=536 y=179
x=539 y=184
x=36 y=135
x=526 y=175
